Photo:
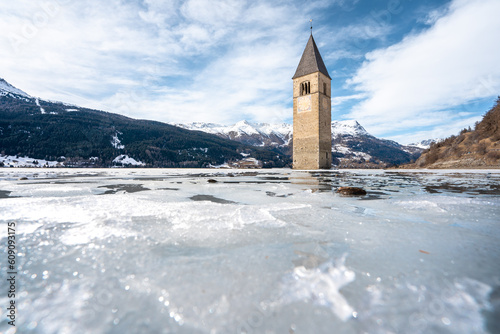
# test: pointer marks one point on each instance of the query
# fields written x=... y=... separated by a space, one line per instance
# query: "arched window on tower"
x=305 y=88
x=324 y=88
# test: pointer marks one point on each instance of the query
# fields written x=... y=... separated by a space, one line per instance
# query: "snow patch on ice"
x=321 y=286
x=460 y=304
x=84 y=235
x=90 y=216
x=27 y=228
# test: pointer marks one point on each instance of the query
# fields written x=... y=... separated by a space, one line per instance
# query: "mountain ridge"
x=83 y=137
x=47 y=130
x=6 y=88
x=352 y=145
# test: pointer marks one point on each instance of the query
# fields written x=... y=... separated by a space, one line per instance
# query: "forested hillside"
x=50 y=131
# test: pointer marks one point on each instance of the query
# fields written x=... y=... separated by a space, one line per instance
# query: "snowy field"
x=243 y=251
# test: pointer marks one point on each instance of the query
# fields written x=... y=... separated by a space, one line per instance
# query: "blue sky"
x=407 y=70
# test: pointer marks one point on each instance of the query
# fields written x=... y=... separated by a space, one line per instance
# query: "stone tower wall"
x=312 y=123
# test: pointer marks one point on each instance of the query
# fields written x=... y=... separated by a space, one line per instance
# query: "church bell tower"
x=312 y=132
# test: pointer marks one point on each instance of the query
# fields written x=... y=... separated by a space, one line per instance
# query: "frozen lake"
x=244 y=251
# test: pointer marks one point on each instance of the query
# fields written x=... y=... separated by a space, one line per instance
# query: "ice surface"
x=256 y=251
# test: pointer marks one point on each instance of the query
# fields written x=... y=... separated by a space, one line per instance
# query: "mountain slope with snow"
x=6 y=88
x=255 y=134
x=425 y=144
x=44 y=131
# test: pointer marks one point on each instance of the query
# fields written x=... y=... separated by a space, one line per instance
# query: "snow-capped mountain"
x=352 y=145
x=265 y=134
x=6 y=88
x=256 y=134
x=425 y=144
x=348 y=128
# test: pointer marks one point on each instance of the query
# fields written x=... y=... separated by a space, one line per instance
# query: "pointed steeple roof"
x=311 y=61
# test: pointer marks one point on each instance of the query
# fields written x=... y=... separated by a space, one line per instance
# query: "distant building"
x=312 y=134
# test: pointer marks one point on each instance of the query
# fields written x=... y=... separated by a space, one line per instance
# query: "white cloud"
x=352 y=40
x=338 y=100
x=246 y=83
x=223 y=61
x=370 y=29
x=161 y=13
x=78 y=47
x=347 y=5
x=215 y=13
x=435 y=15
x=445 y=129
x=417 y=81
x=163 y=60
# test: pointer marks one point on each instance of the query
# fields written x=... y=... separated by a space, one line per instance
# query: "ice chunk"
x=321 y=286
